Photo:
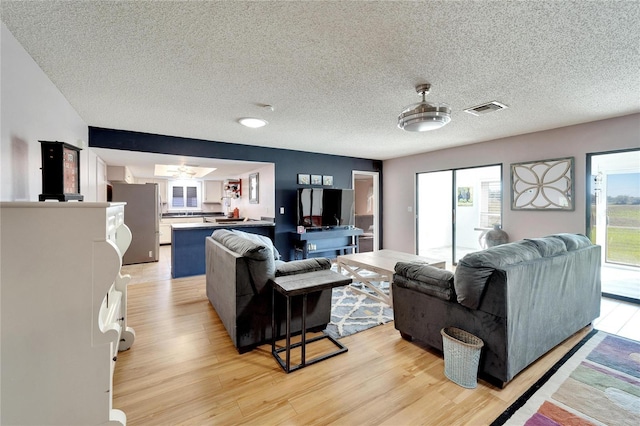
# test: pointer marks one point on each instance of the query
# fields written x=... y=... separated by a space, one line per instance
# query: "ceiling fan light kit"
x=424 y=116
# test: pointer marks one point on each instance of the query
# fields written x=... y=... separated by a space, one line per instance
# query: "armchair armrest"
x=425 y=279
x=301 y=266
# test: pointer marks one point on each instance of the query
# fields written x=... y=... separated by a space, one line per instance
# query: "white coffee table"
x=382 y=264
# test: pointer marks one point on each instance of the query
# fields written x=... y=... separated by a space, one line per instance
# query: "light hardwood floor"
x=183 y=369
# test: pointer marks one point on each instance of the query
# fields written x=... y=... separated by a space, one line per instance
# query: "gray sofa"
x=238 y=268
x=522 y=299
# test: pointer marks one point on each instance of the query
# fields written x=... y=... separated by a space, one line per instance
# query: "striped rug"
x=597 y=383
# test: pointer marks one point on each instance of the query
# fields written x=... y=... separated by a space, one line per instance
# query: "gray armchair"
x=238 y=268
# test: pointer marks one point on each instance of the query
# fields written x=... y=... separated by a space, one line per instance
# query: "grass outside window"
x=623 y=234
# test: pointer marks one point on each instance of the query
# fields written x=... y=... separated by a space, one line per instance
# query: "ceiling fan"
x=424 y=116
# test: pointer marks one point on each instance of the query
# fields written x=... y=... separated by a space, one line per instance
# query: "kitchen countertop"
x=194 y=214
x=214 y=225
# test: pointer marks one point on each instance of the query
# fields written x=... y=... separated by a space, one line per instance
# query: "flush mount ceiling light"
x=252 y=122
x=424 y=116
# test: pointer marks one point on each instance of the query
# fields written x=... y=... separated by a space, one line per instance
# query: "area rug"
x=352 y=312
x=597 y=383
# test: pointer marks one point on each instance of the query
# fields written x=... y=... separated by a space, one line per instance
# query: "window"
x=185 y=195
x=490 y=204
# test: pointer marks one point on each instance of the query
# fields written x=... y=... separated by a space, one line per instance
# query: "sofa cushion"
x=259 y=239
x=242 y=246
x=573 y=241
x=259 y=258
x=425 y=279
x=469 y=284
x=301 y=266
x=549 y=246
x=420 y=271
x=502 y=255
x=475 y=269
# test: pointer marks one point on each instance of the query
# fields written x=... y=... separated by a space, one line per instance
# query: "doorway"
x=456 y=208
x=367 y=209
x=613 y=220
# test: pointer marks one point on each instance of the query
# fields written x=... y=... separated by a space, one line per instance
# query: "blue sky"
x=623 y=184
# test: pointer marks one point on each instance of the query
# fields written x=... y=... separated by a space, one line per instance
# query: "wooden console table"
x=319 y=242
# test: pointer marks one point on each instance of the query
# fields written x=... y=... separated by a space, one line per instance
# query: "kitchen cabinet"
x=64 y=311
x=212 y=191
x=165 y=233
x=119 y=174
x=165 y=226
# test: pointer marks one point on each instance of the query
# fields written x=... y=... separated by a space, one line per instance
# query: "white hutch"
x=63 y=306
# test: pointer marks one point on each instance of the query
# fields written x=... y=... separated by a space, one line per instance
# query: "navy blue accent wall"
x=288 y=164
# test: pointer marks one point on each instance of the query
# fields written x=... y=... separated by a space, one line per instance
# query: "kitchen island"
x=188 y=242
x=172 y=218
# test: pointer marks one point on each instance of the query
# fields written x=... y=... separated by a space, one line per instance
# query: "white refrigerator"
x=142 y=216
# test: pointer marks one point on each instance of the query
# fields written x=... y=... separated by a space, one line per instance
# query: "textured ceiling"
x=337 y=73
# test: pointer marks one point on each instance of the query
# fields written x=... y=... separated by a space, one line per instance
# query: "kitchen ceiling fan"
x=182 y=172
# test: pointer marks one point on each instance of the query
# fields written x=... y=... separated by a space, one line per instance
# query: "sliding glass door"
x=455 y=210
x=435 y=214
x=613 y=218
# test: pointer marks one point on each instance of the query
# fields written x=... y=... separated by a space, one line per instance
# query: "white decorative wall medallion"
x=542 y=185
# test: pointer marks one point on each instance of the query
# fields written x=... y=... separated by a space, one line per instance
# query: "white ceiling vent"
x=486 y=108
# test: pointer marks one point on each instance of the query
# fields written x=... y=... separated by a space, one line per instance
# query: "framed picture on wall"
x=327 y=180
x=316 y=179
x=254 y=189
x=303 y=179
x=465 y=196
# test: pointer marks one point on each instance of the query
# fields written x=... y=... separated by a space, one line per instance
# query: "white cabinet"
x=119 y=174
x=63 y=311
x=165 y=232
x=165 y=226
x=212 y=191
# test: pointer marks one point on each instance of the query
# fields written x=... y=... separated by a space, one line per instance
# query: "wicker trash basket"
x=461 y=356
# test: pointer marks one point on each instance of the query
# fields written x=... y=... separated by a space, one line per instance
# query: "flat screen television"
x=326 y=207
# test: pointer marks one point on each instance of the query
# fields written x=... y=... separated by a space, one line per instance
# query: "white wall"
x=573 y=141
x=33 y=109
x=266 y=196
